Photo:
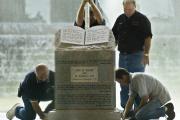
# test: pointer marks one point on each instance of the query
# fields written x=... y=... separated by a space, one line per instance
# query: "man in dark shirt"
x=132 y=31
x=96 y=17
x=37 y=86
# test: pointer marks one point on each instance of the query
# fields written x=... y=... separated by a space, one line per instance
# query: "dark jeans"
x=27 y=112
x=131 y=62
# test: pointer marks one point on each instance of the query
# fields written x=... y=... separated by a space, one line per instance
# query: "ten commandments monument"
x=84 y=82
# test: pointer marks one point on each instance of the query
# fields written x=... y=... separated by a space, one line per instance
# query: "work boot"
x=170 y=111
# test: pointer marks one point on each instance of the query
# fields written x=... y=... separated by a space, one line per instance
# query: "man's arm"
x=128 y=106
x=37 y=109
x=147 y=46
x=115 y=30
x=96 y=12
x=144 y=101
x=80 y=13
x=147 y=33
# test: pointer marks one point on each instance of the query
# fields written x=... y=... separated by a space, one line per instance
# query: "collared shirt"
x=146 y=85
x=130 y=33
x=33 y=88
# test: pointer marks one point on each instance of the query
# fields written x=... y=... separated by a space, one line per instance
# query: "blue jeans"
x=152 y=110
x=131 y=62
x=27 y=112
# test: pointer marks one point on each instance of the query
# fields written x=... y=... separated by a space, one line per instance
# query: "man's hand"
x=37 y=109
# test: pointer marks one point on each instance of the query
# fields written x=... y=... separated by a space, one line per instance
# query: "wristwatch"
x=146 y=54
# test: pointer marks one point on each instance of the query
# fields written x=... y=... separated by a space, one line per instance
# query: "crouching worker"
x=154 y=96
x=37 y=86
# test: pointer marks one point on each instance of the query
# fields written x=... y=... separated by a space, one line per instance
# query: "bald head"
x=42 y=72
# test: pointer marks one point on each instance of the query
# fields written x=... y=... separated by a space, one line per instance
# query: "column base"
x=84 y=115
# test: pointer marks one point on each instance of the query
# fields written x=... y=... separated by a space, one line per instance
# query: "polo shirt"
x=130 y=33
x=35 y=89
x=146 y=85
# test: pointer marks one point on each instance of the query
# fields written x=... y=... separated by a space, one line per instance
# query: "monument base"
x=84 y=115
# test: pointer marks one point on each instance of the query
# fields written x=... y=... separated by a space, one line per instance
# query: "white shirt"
x=146 y=85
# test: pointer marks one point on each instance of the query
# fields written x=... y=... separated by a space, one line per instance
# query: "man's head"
x=129 y=7
x=42 y=72
x=122 y=76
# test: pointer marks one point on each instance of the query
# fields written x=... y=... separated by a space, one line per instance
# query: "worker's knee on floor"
x=140 y=116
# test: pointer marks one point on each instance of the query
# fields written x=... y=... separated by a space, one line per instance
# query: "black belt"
x=129 y=52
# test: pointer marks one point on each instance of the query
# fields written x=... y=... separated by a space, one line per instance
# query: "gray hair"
x=129 y=1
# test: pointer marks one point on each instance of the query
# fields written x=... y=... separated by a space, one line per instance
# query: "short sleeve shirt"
x=146 y=85
x=130 y=33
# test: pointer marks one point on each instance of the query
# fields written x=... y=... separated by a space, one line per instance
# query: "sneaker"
x=170 y=111
x=11 y=113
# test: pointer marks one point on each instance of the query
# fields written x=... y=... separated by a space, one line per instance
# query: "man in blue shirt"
x=37 y=86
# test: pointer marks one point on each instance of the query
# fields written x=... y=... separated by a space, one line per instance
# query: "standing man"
x=96 y=17
x=132 y=31
x=154 y=96
x=37 y=86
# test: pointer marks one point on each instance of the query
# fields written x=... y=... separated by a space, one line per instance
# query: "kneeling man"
x=37 y=86
x=154 y=96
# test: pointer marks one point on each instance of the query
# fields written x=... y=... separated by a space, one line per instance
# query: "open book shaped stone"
x=79 y=36
x=73 y=36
